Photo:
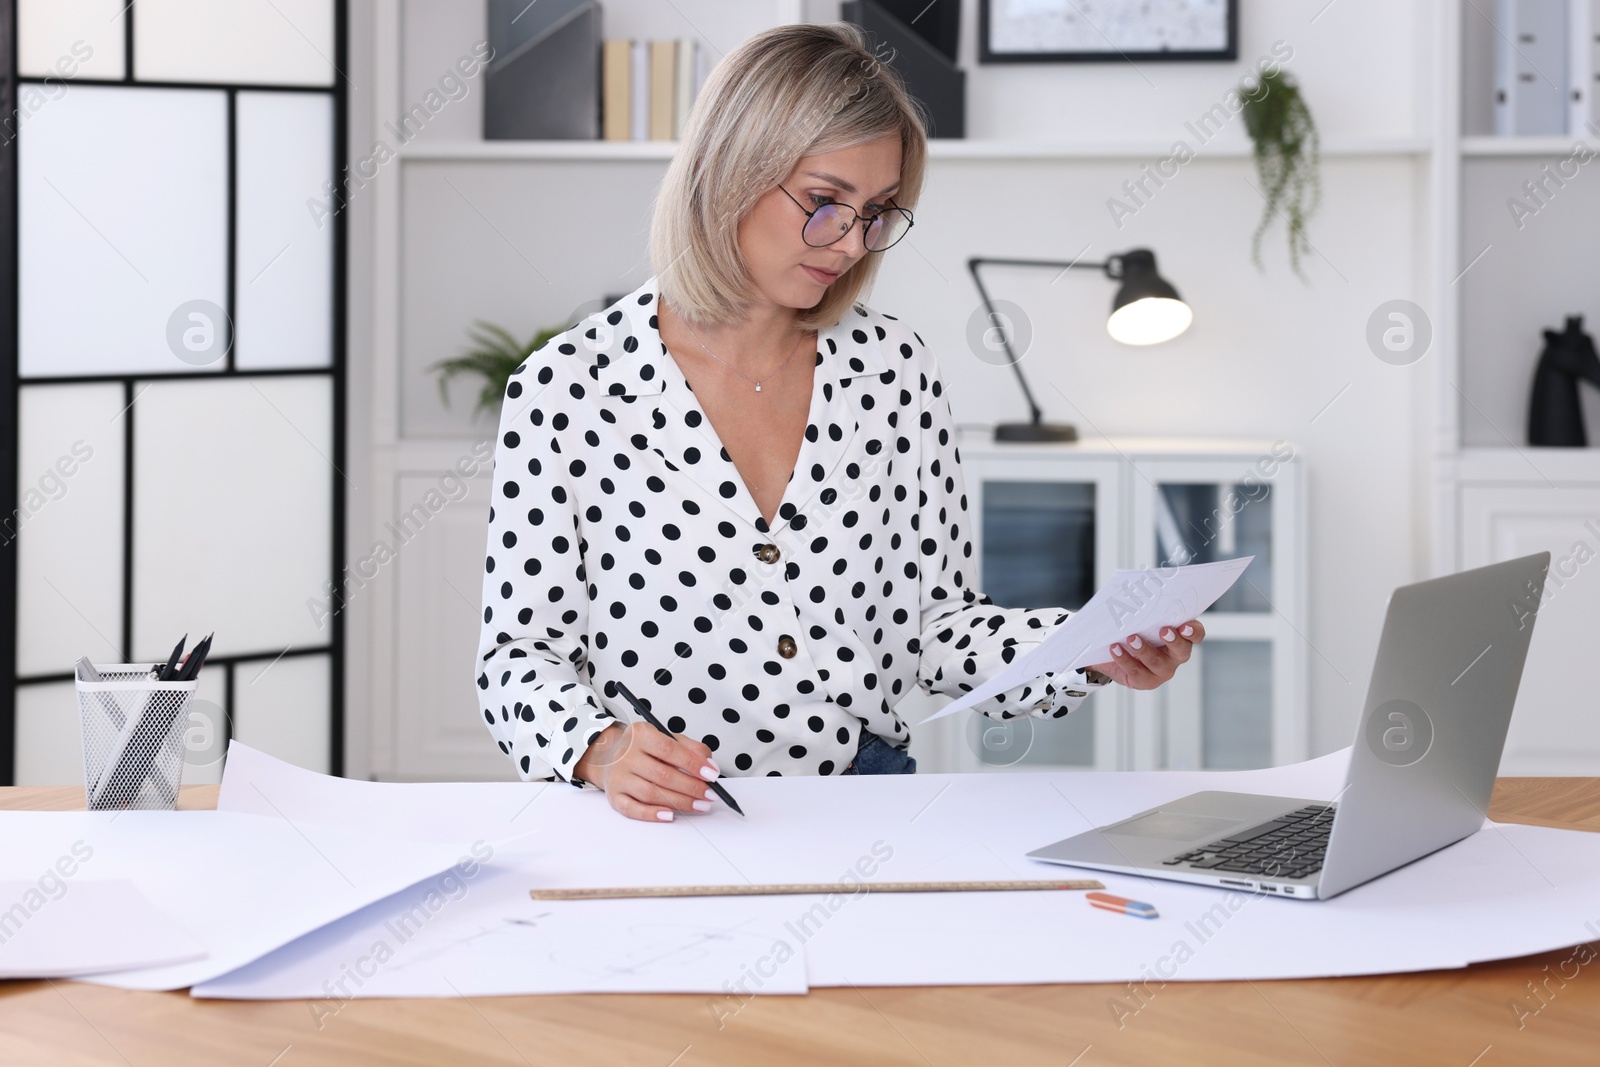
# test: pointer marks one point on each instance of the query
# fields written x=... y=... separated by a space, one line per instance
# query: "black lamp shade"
x=1147 y=308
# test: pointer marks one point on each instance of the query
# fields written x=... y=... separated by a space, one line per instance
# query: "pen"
x=644 y=714
x=191 y=666
x=169 y=671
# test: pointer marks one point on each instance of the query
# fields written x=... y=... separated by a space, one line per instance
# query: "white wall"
x=1266 y=356
x=522 y=243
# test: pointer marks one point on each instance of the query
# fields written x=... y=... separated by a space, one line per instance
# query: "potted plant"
x=495 y=355
x=1286 y=152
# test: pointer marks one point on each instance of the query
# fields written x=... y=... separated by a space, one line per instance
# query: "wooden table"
x=1462 y=1018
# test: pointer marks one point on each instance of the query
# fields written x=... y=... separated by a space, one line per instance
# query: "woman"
x=737 y=490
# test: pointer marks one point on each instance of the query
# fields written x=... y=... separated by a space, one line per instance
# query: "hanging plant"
x=496 y=355
x=1286 y=151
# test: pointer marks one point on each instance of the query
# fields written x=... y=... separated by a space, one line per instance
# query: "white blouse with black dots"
x=624 y=546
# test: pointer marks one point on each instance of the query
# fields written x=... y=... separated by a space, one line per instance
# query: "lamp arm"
x=975 y=262
x=1101 y=265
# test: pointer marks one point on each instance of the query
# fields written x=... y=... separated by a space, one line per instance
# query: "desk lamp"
x=1146 y=311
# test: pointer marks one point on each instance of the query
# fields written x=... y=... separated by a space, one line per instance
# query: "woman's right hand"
x=648 y=775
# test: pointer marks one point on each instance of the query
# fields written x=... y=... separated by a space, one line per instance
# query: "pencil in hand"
x=644 y=713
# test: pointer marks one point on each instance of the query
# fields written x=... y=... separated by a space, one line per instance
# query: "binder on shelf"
x=930 y=75
x=938 y=24
x=1530 y=68
x=1584 y=67
x=544 y=81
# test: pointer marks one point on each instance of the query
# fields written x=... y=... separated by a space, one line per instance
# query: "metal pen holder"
x=132 y=737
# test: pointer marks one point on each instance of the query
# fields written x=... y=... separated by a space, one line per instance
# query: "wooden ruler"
x=809 y=888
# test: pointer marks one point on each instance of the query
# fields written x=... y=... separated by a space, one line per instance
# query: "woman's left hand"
x=1138 y=664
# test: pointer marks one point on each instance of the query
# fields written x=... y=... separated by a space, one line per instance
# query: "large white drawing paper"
x=239 y=885
x=1139 y=602
x=453 y=812
x=56 y=926
x=1504 y=892
x=1477 y=900
x=486 y=937
x=477 y=932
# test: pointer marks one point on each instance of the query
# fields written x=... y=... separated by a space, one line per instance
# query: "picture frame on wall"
x=1107 y=31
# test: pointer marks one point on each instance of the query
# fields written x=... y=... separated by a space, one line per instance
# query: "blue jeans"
x=877 y=756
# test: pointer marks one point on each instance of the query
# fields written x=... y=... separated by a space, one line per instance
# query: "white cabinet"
x=1052 y=522
x=424 y=604
x=1047 y=532
x=1555 y=727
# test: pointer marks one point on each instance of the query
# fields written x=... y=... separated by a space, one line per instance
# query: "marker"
x=1122 y=904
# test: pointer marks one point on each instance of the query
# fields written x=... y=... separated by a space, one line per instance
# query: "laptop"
x=1423 y=763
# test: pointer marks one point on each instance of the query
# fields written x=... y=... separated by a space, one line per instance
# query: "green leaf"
x=494 y=355
x=1287 y=154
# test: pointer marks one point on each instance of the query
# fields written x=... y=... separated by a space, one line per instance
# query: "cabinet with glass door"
x=1052 y=522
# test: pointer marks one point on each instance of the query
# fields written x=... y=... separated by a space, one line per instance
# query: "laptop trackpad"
x=1174 y=826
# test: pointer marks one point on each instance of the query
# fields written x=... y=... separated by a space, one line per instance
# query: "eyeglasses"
x=830 y=222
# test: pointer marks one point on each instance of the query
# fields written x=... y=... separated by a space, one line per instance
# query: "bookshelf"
x=1492 y=287
x=1490 y=312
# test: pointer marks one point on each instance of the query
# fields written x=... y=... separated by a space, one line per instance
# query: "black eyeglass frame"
x=865 y=221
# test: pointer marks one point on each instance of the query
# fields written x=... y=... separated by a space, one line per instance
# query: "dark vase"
x=1555 y=415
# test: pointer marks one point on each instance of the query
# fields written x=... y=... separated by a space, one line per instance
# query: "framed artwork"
x=1101 y=31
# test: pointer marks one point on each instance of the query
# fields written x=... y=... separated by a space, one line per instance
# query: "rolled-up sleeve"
x=965 y=637
x=539 y=709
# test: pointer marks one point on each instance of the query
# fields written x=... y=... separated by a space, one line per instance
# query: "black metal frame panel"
x=12 y=384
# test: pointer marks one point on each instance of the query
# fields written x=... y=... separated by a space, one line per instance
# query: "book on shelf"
x=663 y=84
x=686 y=61
x=639 y=83
x=648 y=87
x=616 y=74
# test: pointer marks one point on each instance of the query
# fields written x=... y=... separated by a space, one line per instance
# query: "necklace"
x=736 y=370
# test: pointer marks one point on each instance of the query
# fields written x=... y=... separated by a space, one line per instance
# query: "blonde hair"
x=781 y=95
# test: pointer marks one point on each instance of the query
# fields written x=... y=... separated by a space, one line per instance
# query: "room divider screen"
x=173 y=444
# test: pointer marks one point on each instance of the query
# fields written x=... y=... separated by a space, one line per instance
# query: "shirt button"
x=767 y=553
x=786 y=647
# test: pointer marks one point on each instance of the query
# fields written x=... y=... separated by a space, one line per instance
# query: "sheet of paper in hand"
x=1142 y=602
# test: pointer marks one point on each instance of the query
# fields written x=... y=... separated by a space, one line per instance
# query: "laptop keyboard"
x=1290 y=846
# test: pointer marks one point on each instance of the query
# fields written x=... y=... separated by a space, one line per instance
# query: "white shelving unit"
x=1523 y=146
x=1493 y=496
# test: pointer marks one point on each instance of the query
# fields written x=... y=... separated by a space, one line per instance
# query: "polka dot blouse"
x=624 y=546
